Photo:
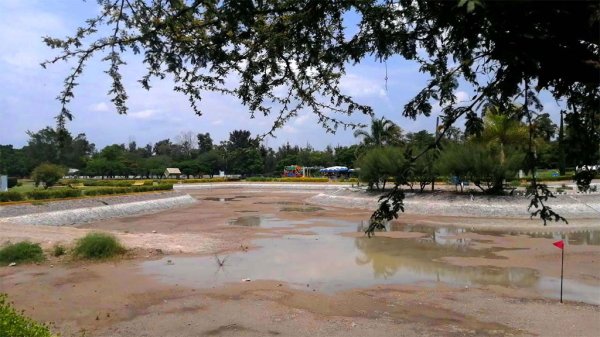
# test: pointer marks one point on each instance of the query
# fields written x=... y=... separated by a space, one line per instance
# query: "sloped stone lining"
x=580 y=206
x=259 y=186
x=89 y=214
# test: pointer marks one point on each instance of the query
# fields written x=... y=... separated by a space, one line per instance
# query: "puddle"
x=227 y=199
x=328 y=262
x=279 y=203
x=302 y=209
x=448 y=234
x=263 y=221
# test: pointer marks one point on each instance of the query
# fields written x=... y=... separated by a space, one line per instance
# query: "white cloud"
x=462 y=96
x=100 y=107
x=144 y=114
x=302 y=119
x=360 y=86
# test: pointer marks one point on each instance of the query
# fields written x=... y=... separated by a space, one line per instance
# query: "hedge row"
x=56 y=193
x=60 y=193
x=11 y=196
x=289 y=179
x=123 y=190
x=558 y=178
x=108 y=182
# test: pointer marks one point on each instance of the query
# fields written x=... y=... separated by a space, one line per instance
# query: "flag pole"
x=562 y=264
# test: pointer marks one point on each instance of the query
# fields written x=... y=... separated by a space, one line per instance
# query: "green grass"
x=15 y=324
x=20 y=252
x=27 y=186
x=98 y=246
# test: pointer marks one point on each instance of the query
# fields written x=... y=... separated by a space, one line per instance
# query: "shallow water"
x=227 y=199
x=328 y=262
x=439 y=234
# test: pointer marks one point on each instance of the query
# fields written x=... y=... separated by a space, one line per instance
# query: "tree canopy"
x=285 y=56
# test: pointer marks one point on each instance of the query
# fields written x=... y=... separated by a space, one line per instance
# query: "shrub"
x=24 y=251
x=14 y=324
x=58 y=250
x=123 y=190
x=54 y=194
x=98 y=246
x=11 y=196
x=117 y=183
x=289 y=179
x=12 y=182
x=49 y=174
x=106 y=191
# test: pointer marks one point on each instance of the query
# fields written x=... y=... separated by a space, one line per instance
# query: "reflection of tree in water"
x=591 y=237
x=248 y=221
x=423 y=258
x=438 y=234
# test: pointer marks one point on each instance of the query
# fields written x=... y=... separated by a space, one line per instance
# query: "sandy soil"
x=116 y=298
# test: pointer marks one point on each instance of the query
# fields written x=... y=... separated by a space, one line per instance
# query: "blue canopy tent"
x=335 y=169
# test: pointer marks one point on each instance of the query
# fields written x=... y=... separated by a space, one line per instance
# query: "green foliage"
x=56 y=193
x=123 y=190
x=49 y=174
x=98 y=246
x=383 y=132
x=117 y=183
x=15 y=324
x=11 y=196
x=583 y=178
x=378 y=164
x=288 y=179
x=19 y=252
x=59 y=193
x=476 y=163
x=58 y=250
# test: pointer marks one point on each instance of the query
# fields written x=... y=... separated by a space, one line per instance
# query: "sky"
x=28 y=92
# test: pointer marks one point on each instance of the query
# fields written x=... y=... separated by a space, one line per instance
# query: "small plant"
x=58 y=250
x=15 y=324
x=98 y=246
x=24 y=251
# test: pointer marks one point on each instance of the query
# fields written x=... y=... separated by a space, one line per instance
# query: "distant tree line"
x=489 y=150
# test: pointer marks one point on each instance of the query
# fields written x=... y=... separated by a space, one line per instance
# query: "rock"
x=353 y=324
x=246 y=280
x=12 y=264
x=153 y=231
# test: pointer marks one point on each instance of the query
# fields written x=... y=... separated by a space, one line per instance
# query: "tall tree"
x=205 y=143
x=382 y=132
x=501 y=130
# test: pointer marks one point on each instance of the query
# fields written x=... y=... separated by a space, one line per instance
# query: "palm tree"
x=504 y=131
x=383 y=132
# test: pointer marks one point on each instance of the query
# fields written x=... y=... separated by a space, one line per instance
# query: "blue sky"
x=28 y=94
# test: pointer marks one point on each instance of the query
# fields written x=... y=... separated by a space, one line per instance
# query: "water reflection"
x=387 y=256
x=447 y=235
x=329 y=262
x=225 y=199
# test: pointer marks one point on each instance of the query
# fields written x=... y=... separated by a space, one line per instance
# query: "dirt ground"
x=117 y=298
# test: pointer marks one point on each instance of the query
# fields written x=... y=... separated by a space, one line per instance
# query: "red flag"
x=560 y=244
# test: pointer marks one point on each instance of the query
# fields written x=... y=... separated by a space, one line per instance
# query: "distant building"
x=172 y=171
